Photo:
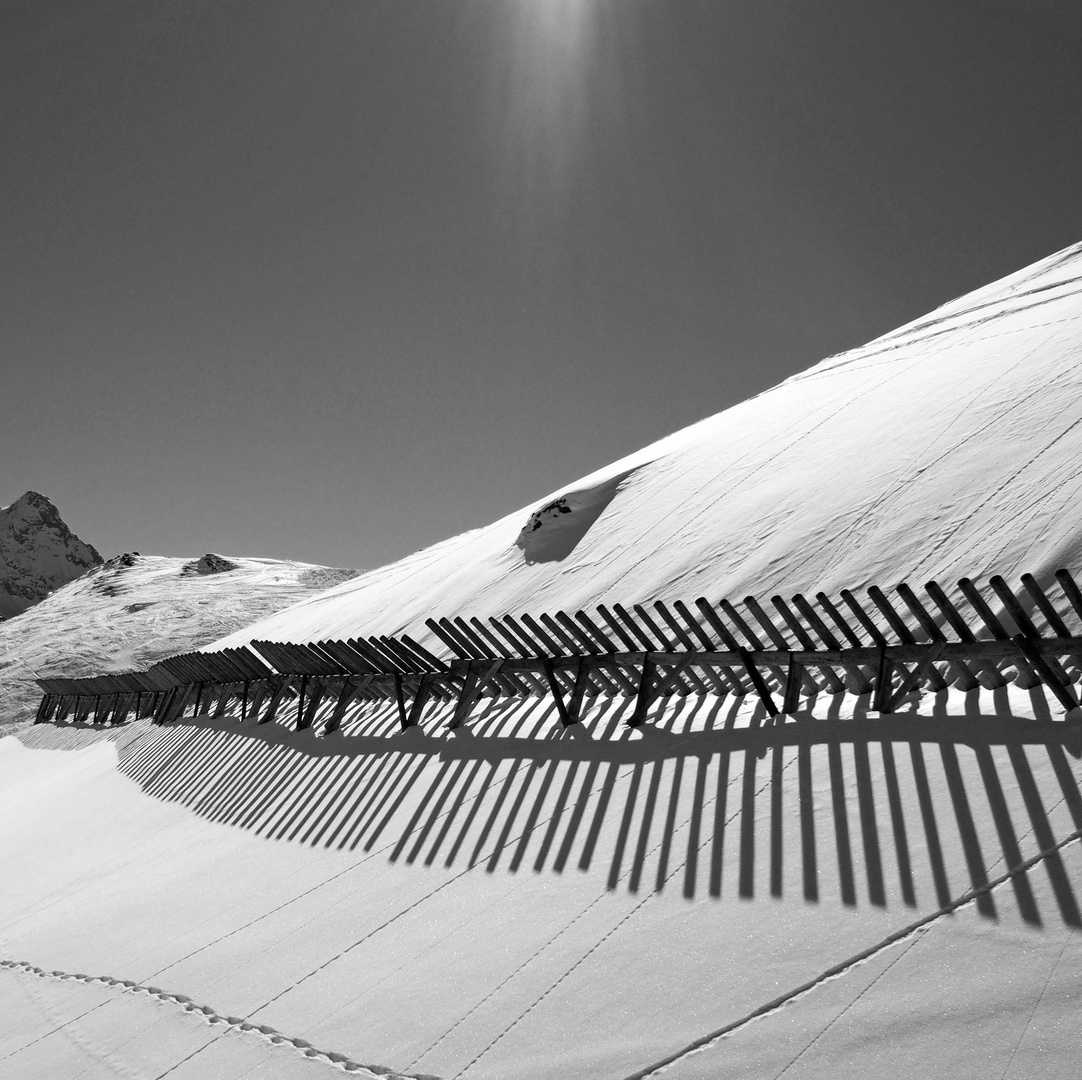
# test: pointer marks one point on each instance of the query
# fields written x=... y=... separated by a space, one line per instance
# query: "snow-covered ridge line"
x=212 y=1017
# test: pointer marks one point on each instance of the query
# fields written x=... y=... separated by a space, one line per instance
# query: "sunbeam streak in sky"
x=552 y=74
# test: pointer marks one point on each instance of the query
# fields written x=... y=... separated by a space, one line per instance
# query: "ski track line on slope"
x=210 y=1015
x=915 y=929
x=932 y=462
x=612 y=930
x=799 y=431
x=917 y=936
x=1036 y=1005
x=387 y=922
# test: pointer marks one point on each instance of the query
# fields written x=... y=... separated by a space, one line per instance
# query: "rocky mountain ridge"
x=38 y=553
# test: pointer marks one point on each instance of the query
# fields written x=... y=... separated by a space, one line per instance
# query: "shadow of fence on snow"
x=880 y=810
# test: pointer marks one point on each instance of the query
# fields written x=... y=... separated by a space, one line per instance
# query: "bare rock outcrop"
x=38 y=553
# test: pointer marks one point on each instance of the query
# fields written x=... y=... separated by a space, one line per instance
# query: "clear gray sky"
x=334 y=279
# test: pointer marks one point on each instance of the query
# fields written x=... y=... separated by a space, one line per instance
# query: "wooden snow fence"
x=888 y=646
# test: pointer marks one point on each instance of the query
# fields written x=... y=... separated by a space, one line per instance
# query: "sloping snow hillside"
x=951 y=447
x=38 y=553
x=135 y=609
x=831 y=894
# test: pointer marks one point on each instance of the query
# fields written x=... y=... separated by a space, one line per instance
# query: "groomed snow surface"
x=840 y=895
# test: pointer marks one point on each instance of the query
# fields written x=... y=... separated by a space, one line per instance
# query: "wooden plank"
x=375 y=660
x=400 y=701
x=351 y=660
x=1065 y=694
x=993 y=677
x=738 y=621
x=520 y=642
x=276 y=700
x=884 y=673
x=758 y=682
x=683 y=639
x=894 y=620
x=1025 y=677
x=678 y=631
x=557 y=693
x=512 y=645
x=756 y=646
x=859 y=683
x=434 y=662
x=587 y=642
x=300 y=702
x=773 y=632
x=659 y=635
x=793 y=679
x=548 y=646
x=716 y=624
x=834 y=682
x=484 y=651
x=720 y=678
x=316 y=692
x=524 y=683
x=406 y=660
x=904 y=634
x=424 y=690
x=862 y=617
x=695 y=628
x=574 y=647
x=637 y=631
x=531 y=646
x=1025 y=625
x=1040 y=598
x=1051 y=616
x=449 y=639
x=1013 y=607
x=476 y=679
x=644 y=696
x=726 y=638
x=965 y=679
x=614 y=625
x=351 y=689
x=614 y=671
x=1070 y=590
x=912 y=678
x=574 y=708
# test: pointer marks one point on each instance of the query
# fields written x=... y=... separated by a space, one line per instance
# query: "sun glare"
x=551 y=76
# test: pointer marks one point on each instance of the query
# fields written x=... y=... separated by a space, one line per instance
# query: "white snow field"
x=135 y=609
x=831 y=894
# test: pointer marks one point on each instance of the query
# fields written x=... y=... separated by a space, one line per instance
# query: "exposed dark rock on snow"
x=553 y=530
x=38 y=553
x=208 y=564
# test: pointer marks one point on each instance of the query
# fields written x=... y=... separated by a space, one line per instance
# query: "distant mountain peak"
x=38 y=553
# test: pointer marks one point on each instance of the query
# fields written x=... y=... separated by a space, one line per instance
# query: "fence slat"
x=834 y=682
x=1025 y=625
x=964 y=676
x=1026 y=677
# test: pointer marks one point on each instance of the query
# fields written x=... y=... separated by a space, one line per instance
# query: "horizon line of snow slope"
x=136 y=609
x=950 y=447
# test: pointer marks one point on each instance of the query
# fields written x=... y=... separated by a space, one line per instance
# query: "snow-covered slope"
x=135 y=609
x=833 y=894
x=38 y=553
x=951 y=447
